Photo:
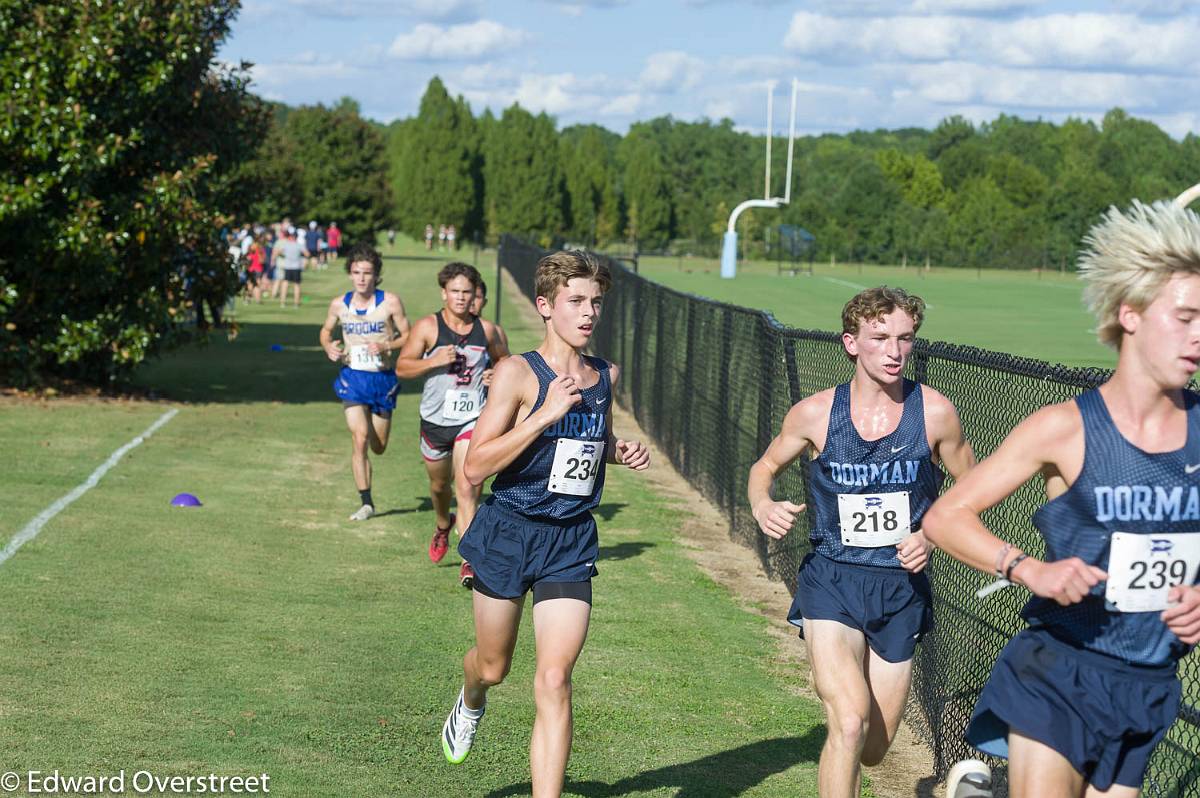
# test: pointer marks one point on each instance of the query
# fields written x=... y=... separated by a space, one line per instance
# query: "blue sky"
x=862 y=64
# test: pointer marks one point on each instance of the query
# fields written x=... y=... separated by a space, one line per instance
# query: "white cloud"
x=562 y=93
x=457 y=42
x=1082 y=41
x=958 y=83
x=671 y=71
x=624 y=105
x=304 y=68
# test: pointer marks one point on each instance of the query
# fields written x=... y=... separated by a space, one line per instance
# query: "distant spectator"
x=391 y=237
x=429 y=237
x=441 y=236
x=333 y=241
x=450 y=235
x=312 y=239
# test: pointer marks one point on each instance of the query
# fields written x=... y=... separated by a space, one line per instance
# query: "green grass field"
x=1029 y=314
x=265 y=633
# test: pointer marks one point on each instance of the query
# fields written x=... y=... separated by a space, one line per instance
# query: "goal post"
x=729 y=243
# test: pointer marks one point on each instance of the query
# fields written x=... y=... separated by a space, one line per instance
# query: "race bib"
x=576 y=464
x=1142 y=569
x=462 y=405
x=361 y=359
x=872 y=520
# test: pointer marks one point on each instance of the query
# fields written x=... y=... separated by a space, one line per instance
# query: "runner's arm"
x=950 y=445
x=795 y=436
x=333 y=349
x=953 y=523
x=618 y=451
x=399 y=322
x=410 y=362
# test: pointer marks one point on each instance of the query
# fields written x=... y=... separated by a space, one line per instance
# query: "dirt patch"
x=907 y=770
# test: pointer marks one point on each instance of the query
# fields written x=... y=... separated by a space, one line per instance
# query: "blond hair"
x=1130 y=256
x=875 y=303
x=559 y=268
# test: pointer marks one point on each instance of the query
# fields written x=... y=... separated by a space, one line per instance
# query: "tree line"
x=1010 y=193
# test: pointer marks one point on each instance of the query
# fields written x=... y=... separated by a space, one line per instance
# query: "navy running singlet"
x=849 y=481
x=525 y=485
x=1122 y=489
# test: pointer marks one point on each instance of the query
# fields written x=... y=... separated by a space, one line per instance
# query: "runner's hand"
x=775 y=519
x=333 y=350
x=443 y=356
x=375 y=348
x=487 y=376
x=1066 y=581
x=913 y=552
x=561 y=395
x=1183 y=617
x=633 y=454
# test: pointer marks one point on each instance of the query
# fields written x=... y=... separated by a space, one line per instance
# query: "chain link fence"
x=711 y=383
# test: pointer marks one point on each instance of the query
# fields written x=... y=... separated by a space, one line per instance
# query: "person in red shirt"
x=333 y=240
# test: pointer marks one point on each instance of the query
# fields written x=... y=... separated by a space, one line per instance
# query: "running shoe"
x=969 y=778
x=363 y=513
x=459 y=732
x=466 y=575
x=441 y=541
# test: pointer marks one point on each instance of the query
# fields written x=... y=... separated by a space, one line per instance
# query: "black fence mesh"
x=711 y=382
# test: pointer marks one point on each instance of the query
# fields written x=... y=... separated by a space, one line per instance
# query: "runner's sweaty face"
x=1166 y=334
x=458 y=294
x=882 y=345
x=575 y=311
x=362 y=275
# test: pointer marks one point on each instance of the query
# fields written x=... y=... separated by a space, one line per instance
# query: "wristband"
x=1015 y=560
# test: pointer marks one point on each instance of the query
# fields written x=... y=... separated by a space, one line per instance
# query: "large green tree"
x=525 y=186
x=436 y=179
x=119 y=145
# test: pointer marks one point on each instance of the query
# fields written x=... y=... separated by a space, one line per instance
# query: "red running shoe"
x=441 y=541
x=466 y=575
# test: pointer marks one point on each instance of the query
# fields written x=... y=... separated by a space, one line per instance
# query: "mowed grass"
x=266 y=633
x=1024 y=313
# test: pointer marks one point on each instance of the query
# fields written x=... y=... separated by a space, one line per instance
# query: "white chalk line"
x=31 y=530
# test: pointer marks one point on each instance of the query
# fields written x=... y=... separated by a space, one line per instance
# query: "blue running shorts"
x=511 y=553
x=375 y=389
x=890 y=606
x=1103 y=715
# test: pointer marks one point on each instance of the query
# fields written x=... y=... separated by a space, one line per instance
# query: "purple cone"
x=185 y=500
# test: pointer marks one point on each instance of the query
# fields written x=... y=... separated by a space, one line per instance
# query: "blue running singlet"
x=1121 y=489
x=524 y=486
x=849 y=466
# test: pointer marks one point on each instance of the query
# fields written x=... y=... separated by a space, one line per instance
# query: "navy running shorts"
x=1103 y=715
x=375 y=389
x=511 y=553
x=890 y=606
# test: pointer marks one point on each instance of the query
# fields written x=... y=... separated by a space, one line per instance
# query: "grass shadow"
x=724 y=775
x=608 y=510
x=624 y=551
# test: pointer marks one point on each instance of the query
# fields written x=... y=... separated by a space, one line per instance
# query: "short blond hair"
x=1130 y=256
x=559 y=268
x=875 y=303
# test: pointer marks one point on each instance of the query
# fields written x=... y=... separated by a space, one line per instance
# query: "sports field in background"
x=264 y=632
x=1028 y=314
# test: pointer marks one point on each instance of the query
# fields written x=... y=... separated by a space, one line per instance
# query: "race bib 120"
x=1142 y=569
x=872 y=520
x=576 y=464
x=462 y=405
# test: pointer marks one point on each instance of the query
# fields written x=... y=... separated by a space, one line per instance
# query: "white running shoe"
x=969 y=778
x=363 y=513
x=459 y=732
